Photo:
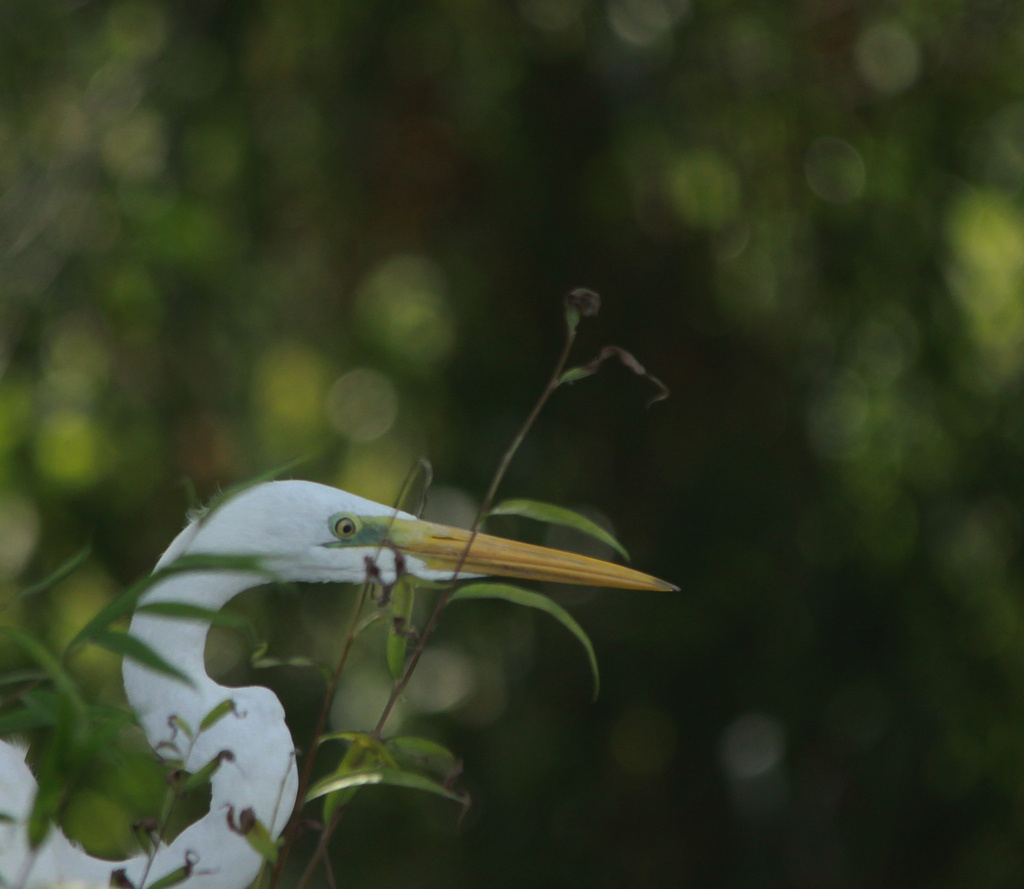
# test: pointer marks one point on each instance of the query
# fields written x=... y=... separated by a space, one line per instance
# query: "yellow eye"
x=344 y=526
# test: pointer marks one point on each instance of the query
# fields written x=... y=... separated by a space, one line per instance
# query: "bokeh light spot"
x=135 y=148
x=751 y=752
x=835 y=170
x=887 y=57
x=78 y=598
x=703 y=188
x=78 y=363
x=19 y=532
x=999 y=149
x=551 y=15
x=838 y=417
x=986 y=233
x=136 y=30
x=69 y=449
x=753 y=745
x=362 y=405
x=376 y=470
x=443 y=680
x=403 y=307
x=15 y=414
x=289 y=384
x=644 y=22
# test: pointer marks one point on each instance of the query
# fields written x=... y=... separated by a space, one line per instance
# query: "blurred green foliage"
x=232 y=233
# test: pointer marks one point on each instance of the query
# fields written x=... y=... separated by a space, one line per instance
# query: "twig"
x=321 y=723
x=577 y=303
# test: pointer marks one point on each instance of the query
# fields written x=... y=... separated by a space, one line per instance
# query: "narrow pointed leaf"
x=260 y=839
x=58 y=574
x=422 y=753
x=51 y=666
x=126 y=603
x=16 y=676
x=184 y=611
x=128 y=646
x=402 y=600
x=262 y=663
x=391 y=777
x=333 y=801
x=179 y=724
x=339 y=736
x=40 y=819
x=408 y=745
x=174 y=878
x=573 y=374
x=558 y=515
x=24 y=720
x=204 y=775
x=530 y=599
x=217 y=714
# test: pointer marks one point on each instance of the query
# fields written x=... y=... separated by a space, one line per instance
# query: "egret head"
x=310 y=532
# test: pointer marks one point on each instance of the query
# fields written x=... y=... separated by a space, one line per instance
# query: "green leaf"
x=175 y=877
x=558 y=515
x=340 y=736
x=530 y=599
x=259 y=662
x=422 y=753
x=51 y=666
x=44 y=811
x=205 y=774
x=121 y=643
x=125 y=604
x=391 y=777
x=184 y=611
x=402 y=600
x=178 y=723
x=16 y=676
x=24 y=720
x=575 y=373
x=364 y=753
x=572 y=318
x=260 y=839
x=409 y=745
x=57 y=574
x=217 y=714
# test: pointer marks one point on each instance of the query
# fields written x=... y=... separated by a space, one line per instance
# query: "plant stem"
x=307 y=769
x=445 y=597
x=321 y=723
x=321 y=847
x=170 y=801
x=485 y=507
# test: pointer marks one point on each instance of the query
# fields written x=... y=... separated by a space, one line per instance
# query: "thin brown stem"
x=307 y=770
x=485 y=507
x=446 y=595
x=321 y=848
x=321 y=724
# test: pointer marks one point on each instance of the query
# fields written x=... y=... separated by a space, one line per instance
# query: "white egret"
x=301 y=531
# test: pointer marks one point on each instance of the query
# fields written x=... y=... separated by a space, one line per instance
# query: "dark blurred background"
x=232 y=233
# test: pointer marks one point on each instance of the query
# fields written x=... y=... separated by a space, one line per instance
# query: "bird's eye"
x=344 y=526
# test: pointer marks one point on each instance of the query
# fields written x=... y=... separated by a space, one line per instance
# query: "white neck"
x=260 y=774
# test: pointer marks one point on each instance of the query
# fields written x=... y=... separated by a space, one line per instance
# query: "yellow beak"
x=443 y=548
